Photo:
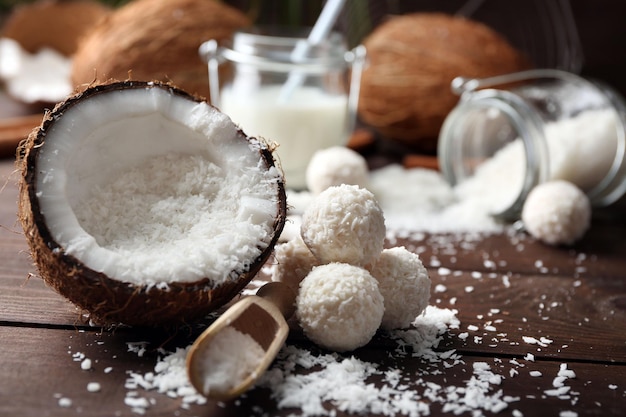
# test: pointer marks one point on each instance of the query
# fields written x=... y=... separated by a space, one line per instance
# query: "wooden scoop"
x=264 y=318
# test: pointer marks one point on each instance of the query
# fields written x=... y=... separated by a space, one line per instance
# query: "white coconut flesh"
x=152 y=188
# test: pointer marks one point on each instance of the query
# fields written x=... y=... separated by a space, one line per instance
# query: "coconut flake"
x=93 y=387
x=65 y=402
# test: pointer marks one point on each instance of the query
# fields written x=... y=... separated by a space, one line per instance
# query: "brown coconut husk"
x=156 y=40
x=55 y=24
x=405 y=90
x=103 y=299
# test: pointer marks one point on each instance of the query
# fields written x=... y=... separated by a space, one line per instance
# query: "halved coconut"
x=145 y=205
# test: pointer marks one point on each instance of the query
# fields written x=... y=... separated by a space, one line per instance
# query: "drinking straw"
x=318 y=33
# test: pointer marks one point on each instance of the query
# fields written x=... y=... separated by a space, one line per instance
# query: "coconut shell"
x=104 y=299
x=405 y=89
x=156 y=40
x=54 y=24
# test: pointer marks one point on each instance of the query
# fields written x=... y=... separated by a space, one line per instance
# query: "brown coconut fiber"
x=405 y=91
x=156 y=40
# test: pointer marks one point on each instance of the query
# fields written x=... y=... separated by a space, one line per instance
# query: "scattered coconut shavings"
x=309 y=384
x=137 y=347
x=85 y=365
x=169 y=378
x=561 y=390
x=346 y=382
x=542 y=341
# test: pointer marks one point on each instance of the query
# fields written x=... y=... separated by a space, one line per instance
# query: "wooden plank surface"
x=508 y=292
x=41 y=366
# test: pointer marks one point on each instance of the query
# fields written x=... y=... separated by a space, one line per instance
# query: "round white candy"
x=339 y=306
x=344 y=224
x=335 y=166
x=292 y=262
x=557 y=212
x=404 y=283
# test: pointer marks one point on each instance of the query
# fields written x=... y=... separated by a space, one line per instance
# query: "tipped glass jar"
x=279 y=87
x=509 y=133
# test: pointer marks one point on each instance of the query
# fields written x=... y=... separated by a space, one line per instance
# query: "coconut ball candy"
x=292 y=262
x=339 y=306
x=557 y=213
x=405 y=285
x=335 y=166
x=344 y=224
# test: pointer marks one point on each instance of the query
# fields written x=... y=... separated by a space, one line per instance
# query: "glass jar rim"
x=473 y=94
x=524 y=122
x=271 y=48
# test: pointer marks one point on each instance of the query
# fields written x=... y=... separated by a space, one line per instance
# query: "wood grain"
x=44 y=365
x=508 y=291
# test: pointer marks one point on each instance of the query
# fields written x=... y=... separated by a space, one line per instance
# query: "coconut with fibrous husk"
x=55 y=24
x=156 y=40
x=405 y=89
x=144 y=205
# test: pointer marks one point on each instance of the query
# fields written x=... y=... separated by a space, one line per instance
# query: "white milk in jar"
x=302 y=98
x=308 y=120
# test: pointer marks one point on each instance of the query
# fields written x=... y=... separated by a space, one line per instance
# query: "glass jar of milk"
x=509 y=133
x=280 y=88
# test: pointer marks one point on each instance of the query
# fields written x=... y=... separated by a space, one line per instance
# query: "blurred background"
x=584 y=37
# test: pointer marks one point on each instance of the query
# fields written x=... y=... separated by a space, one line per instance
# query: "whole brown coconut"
x=156 y=40
x=405 y=89
x=144 y=205
x=56 y=24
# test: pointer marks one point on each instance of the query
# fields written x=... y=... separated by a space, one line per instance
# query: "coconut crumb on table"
x=93 y=387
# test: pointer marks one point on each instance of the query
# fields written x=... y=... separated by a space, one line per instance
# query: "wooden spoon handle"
x=281 y=296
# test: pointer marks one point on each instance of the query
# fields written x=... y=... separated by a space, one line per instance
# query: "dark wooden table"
x=508 y=290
